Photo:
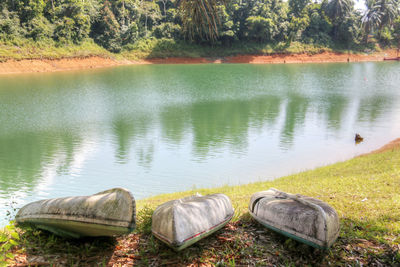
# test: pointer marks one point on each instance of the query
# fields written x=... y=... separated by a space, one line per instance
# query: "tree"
x=150 y=13
x=389 y=10
x=165 y=4
x=167 y=30
x=127 y=13
x=319 y=26
x=379 y=14
x=32 y=19
x=29 y=10
x=396 y=31
x=371 y=19
x=200 y=18
x=9 y=25
x=349 y=30
x=296 y=27
x=296 y=7
x=72 y=21
x=225 y=30
x=106 y=29
x=337 y=11
x=270 y=17
x=261 y=29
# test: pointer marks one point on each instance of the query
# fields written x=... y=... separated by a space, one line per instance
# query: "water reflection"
x=334 y=111
x=30 y=161
x=157 y=129
x=174 y=122
x=130 y=132
x=216 y=124
x=295 y=115
x=373 y=108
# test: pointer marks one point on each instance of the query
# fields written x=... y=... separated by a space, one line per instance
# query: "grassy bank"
x=152 y=48
x=364 y=191
x=27 y=49
x=163 y=48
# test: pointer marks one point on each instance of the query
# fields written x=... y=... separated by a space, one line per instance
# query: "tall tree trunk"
x=145 y=25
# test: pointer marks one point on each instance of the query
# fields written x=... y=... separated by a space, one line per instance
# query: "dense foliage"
x=119 y=24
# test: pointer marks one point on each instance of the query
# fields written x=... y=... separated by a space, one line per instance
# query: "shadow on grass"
x=41 y=248
x=242 y=242
x=368 y=242
x=245 y=242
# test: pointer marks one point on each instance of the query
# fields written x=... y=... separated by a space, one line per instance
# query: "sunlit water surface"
x=166 y=128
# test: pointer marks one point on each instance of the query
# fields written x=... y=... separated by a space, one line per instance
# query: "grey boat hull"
x=108 y=213
x=302 y=218
x=181 y=223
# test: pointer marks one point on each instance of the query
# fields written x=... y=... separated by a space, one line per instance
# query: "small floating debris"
x=107 y=213
x=305 y=219
x=182 y=222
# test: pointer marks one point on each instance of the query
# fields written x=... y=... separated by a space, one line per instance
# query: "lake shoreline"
x=395 y=144
x=362 y=190
x=93 y=62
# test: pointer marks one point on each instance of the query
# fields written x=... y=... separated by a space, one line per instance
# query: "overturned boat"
x=182 y=222
x=107 y=213
x=302 y=218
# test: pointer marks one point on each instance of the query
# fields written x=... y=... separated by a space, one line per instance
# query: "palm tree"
x=379 y=13
x=372 y=18
x=201 y=18
x=337 y=10
x=389 y=10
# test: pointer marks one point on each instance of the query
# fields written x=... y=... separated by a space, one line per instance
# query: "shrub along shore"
x=363 y=190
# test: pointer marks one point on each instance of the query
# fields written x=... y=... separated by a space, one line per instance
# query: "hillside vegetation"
x=164 y=28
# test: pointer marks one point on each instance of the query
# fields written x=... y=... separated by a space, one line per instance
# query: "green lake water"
x=165 y=128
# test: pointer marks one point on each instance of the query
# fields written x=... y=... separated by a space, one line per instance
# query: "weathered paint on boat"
x=302 y=218
x=108 y=213
x=182 y=222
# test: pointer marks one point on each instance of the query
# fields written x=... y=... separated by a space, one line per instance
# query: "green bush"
x=39 y=28
x=167 y=30
x=9 y=25
x=385 y=37
x=261 y=29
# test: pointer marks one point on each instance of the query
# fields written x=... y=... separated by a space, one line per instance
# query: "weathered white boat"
x=182 y=222
x=302 y=218
x=107 y=213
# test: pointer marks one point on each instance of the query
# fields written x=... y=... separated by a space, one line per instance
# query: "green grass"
x=28 y=49
x=151 y=48
x=373 y=178
x=162 y=48
x=363 y=190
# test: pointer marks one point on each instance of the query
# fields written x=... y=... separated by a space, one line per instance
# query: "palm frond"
x=200 y=18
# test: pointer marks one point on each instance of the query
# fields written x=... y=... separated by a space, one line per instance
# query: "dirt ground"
x=390 y=146
x=315 y=58
x=46 y=65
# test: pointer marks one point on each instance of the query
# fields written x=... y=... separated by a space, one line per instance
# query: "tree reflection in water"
x=156 y=129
